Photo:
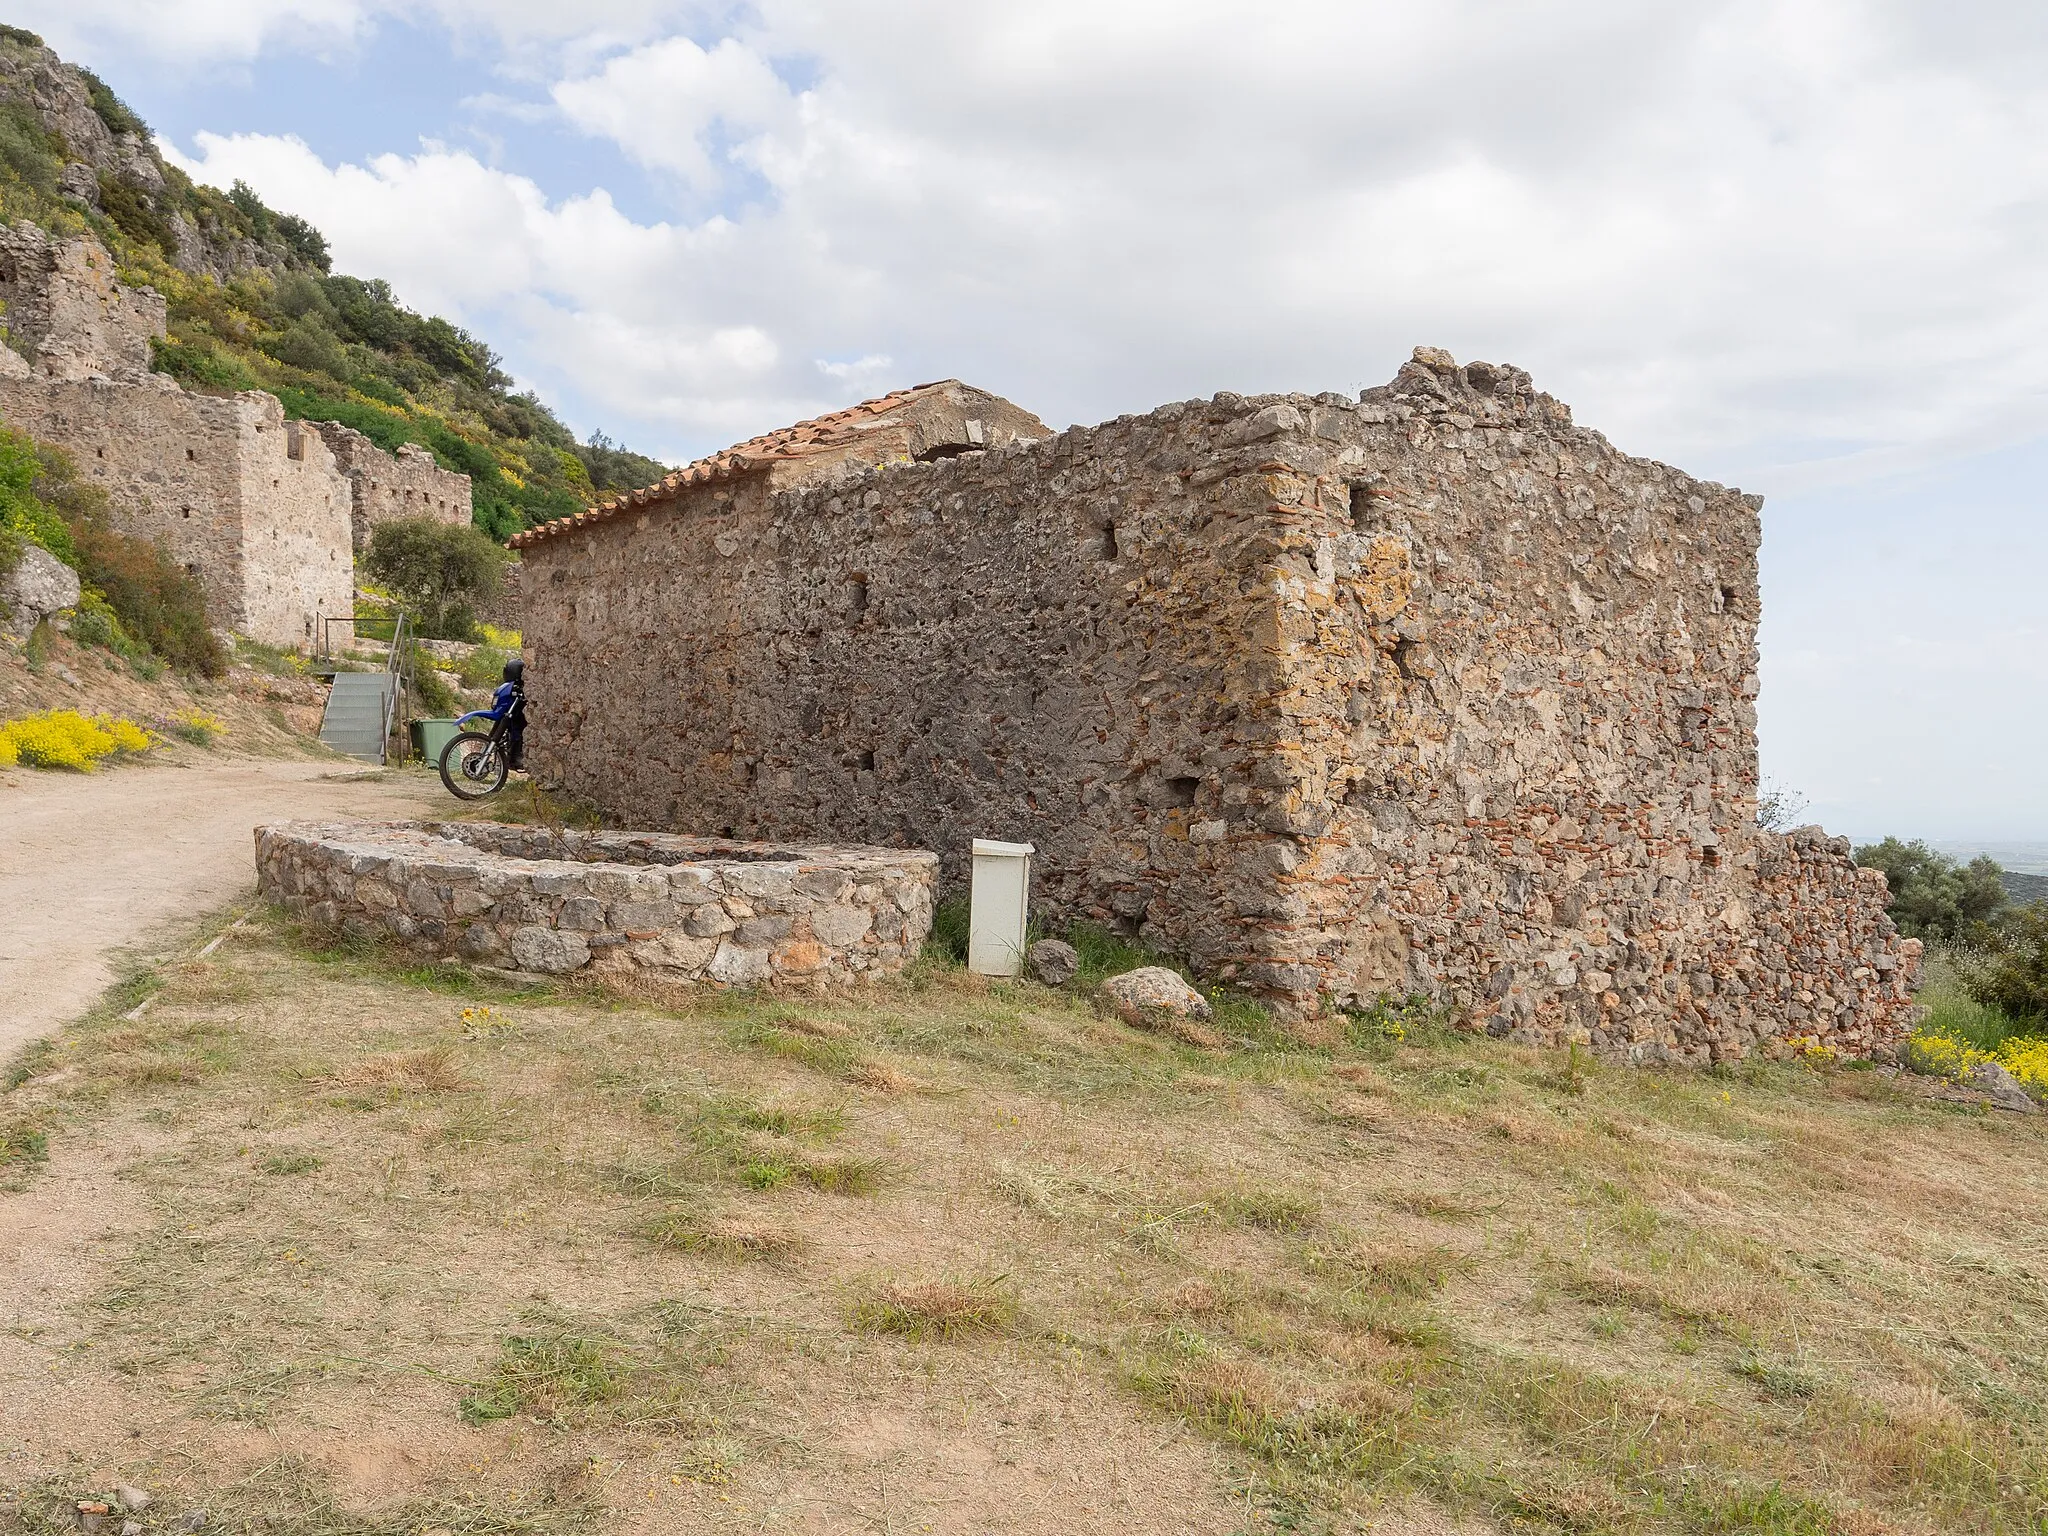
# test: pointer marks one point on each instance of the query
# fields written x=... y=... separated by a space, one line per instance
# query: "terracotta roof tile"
x=784 y=443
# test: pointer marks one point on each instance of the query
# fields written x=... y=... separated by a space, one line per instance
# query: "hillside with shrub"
x=254 y=303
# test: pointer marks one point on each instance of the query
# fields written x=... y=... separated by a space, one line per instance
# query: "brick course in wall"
x=1430 y=690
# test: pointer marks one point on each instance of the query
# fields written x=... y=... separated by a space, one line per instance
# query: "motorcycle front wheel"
x=473 y=766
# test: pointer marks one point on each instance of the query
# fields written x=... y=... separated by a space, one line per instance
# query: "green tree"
x=2017 y=979
x=443 y=572
x=1932 y=895
x=612 y=468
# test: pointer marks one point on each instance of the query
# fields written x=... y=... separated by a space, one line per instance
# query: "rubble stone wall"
x=388 y=487
x=257 y=508
x=1431 y=690
x=679 y=909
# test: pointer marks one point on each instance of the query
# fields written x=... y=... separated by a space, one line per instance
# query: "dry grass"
x=400 y=1247
x=935 y=1309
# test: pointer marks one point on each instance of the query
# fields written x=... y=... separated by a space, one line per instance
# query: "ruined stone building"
x=386 y=487
x=1430 y=690
x=264 y=511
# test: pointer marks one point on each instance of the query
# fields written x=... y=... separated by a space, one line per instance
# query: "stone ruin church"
x=1431 y=690
x=266 y=513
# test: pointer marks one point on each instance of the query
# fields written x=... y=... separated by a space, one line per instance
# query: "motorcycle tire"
x=473 y=767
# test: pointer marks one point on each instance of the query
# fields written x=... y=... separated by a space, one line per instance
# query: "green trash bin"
x=429 y=737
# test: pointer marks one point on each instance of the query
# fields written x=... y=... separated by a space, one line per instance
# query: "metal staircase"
x=358 y=718
x=365 y=708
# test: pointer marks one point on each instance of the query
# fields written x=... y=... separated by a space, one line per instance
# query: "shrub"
x=24 y=515
x=1933 y=896
x=197 y=727
x=443 y=572
x=140 y=600
x=2015 y=980
x=483 y=667
x=200 y=366
x=156 y=601
x=429 y=691
x=307 y=343
x=94 y=622
x=63 y=738
x=1938 y=1055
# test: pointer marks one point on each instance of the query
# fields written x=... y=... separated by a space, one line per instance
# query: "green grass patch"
x=23 y=1145
x=1269 y=1210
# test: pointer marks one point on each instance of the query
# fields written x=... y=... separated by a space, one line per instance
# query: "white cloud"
x=664 y=104
x=1767 y=238
x=871 y=369
x=238 y=31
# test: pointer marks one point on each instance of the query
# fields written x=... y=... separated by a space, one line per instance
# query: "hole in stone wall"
x=1728 y=599
x=867 y=762
x=99 y=453
x=1109 y=550
x=1710 y=857
x=191 y=455
x=945 y=451
x=1182 y=791
x=1361 y=505
x=1411 y=659
x=188 y=511
x=860 y=598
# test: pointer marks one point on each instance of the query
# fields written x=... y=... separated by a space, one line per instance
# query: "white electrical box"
x=996 y=912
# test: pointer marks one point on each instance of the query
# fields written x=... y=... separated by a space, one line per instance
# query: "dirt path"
x=90 y=864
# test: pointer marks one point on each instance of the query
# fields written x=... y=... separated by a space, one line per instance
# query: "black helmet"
x=515 y=670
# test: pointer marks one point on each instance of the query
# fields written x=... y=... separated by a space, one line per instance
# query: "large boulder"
x=1154 y=998
x=39 y=585
x=2004 y=1088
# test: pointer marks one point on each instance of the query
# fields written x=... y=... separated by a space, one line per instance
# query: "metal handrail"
x=327 y=635
x=397 y=667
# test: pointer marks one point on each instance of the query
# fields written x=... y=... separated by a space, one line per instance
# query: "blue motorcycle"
x=475 y=763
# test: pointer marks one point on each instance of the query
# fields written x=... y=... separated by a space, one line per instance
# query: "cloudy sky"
x=1791 y=245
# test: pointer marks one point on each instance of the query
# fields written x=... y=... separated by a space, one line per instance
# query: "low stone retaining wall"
x=555 y=901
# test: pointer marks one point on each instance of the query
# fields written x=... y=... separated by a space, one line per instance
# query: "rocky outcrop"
x=36 y=586
x=104 y=147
